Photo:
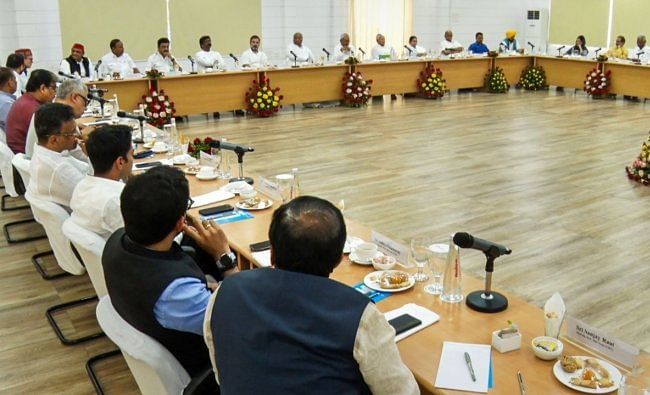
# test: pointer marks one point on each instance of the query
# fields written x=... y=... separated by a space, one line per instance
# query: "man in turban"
x=510 y=44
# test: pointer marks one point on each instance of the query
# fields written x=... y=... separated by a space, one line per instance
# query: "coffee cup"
x=248 y=196
x=206 y=171
x=366 y=251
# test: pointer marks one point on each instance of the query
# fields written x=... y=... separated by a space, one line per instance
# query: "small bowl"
x=383 y=262
x=547 y=353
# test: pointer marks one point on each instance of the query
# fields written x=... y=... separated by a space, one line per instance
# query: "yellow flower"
x=430 y=80
x=275 y=104
x=255 y=105
x=259 y=93
x=252 y=100
x=259 y=100
x=265 y=89
x=262 y=105
x=423 y=84
x=276 y=98
x=265 y=96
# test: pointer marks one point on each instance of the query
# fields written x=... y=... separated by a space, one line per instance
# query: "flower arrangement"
x=153 y=74
x=597 y=83
x=262 y=100
x=196 y=146
x=158 y=107
x=431 y=84
x=356 y=90
x=352 y=61
x=533 y=78
x=640 y=169
x=496 y=82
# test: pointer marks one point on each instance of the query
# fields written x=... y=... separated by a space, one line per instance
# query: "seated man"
x=478 y=46
x=343 y=50
x=95 y=201
x=117 y=61
x=253 y=57
x=414 y=50
x=293 y=330
x=73 y=93
x=29 y=60
x=41 y=89
x=152 y=283
x=163 y=60
x=8 y=86
x=641 y=52
x=381 y=51
x=449 y=46
x=206 y=57
x=54 y=173
x=510 y=43
x=298 y=52
x=618 y=51
x=77 y=64
x=16 y=62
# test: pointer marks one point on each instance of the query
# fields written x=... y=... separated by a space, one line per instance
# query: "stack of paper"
x=453 y=372
x=211 y=197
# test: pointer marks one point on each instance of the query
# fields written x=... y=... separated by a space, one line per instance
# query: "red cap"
x=79 y=47
x=24 y=51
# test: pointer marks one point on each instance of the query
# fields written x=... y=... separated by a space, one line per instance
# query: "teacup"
x=248 y=196
x=366 y=251
x=206 y=171
x=159 y=146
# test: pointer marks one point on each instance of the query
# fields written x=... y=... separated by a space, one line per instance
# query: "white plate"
x=370 y=283
x=160 y=150
x=565 y=378
x=263 y=204
x=211 y=177
x=354 y=258
x=237 y=187
x=350 y=243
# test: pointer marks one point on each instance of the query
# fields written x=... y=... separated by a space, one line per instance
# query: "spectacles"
x=85 y=99
x=190 y=202
x=53 y=87
x=70 y=134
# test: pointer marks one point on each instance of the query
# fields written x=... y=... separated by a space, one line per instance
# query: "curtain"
x=392 y=18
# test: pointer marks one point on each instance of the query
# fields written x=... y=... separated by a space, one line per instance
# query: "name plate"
x=391 y=248
x=269 y=188
x=600 y=341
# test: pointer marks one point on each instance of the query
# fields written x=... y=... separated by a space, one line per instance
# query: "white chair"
x=154 y=368
x=90 y=246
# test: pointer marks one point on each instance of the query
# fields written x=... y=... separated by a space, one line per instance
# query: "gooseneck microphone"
x=362 y=51
x=328 y=54
x=532 y=46
x=234 y=57
x=123 y=114
x=295 y=58
x=240 y=150
x=485 y=301
x=559 y=50
x=99 y=62
x=92 y=96
x=61 y=73
x=408 y=49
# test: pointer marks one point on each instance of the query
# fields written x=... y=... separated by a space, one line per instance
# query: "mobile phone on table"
x=147 y=165
x=403 y=323
x=143 y=154
x=261 y=246
x=206 y=212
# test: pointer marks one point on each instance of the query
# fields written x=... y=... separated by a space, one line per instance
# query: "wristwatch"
x=227 y=261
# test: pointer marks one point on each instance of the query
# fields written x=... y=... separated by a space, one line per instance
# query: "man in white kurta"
x=449 y=46
x=642 y=51
x=117 y=61
x=302 y=53
x=343 y=50
x=381 y=51
x=163 y=60
x=206 y=58
x=95 y=201
x=414 y=50
x=77 y=64
x=253 y=57
x=54 y=171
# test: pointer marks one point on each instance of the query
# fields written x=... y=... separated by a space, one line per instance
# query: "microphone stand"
x=295 y=61
x=140 y=140
x=596 y=52
x=532 y=47
x=240 y=160
x=487 y=301
x=559 y=51
x=363 y=53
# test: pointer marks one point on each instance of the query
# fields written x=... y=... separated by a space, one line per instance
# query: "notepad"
x=211 y=197
x=453 y=372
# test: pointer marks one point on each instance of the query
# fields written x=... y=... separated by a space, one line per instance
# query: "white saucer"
x=354 y=258
x=160 y=150
x=263 y=204
x=211 y=177
x=181 y=159
x=350 y=243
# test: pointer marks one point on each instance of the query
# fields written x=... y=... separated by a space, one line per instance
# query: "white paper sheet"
x=263 y=258
x=453 y=372
x=211 y=197
x=427 y=317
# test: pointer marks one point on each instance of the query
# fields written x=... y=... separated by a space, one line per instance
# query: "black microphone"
x=123 y=114
x=230 y=147
x=408 y=49
x=294 y=55
x=324 y=50
x=66 y=75
x=465 y=240
x=362 y=51
x=99 y=62
x=92 y=96
x=190 y=58
x=234 y=57
x=531 y=45
x=561 y=48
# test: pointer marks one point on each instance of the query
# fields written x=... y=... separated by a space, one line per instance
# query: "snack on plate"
x=392 y=280
x=571 y=364
x=584 y=383
x=594 y=364
x=589 y=375
x=605 y=382
x=552 y=314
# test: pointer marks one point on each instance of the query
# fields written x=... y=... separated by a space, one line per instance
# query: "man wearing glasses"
x=54 y=171
x=41 y=89
x=153 y=283
x=74 y=94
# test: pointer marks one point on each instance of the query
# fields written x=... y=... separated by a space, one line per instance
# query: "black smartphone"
x=147 y=164
x=142 y=154
x=206 y=212
x=261 y=246
x=403 y=323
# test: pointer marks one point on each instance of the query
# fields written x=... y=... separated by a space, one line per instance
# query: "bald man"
x=344 y=49
x=449 y=46
x=301 y=52
x=381 y=51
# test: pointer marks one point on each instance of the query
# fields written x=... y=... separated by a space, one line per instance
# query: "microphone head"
x=121 y=114
x=463 y=240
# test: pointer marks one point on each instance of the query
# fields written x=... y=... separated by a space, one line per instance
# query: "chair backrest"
x=6 y=168
x=52 y=216
x=154 y=368
x=21 y=163
x=3 y=136
x=90 y=246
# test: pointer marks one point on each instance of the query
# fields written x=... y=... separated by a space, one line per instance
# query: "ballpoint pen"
x=468 y=360
x=522 y=385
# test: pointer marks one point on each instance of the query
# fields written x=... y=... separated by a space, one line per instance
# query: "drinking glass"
x=185 y=143
x=217 y=158
x=437 y=264
x=420 y=253
x=284 y=185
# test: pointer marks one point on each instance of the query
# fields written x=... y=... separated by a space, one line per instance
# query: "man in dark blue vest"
x=292 y=330
x=153 y=284
x=77 y=64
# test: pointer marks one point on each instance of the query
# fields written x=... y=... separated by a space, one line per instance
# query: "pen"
x=468 y=360
x=522 y=386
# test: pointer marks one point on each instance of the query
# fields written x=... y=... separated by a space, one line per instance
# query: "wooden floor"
x=540 y=172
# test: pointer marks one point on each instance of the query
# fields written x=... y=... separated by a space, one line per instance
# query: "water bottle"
x=452 y=291
x=174 y=146
x=225 y=165
x=295 y=183
x=116 y=108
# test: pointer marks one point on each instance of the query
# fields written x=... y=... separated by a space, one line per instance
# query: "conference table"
x=421 y=351
x=224 y=91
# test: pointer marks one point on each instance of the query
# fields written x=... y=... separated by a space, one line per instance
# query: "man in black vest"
x=292 y=330
x=77 y=64
x=153 y=284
